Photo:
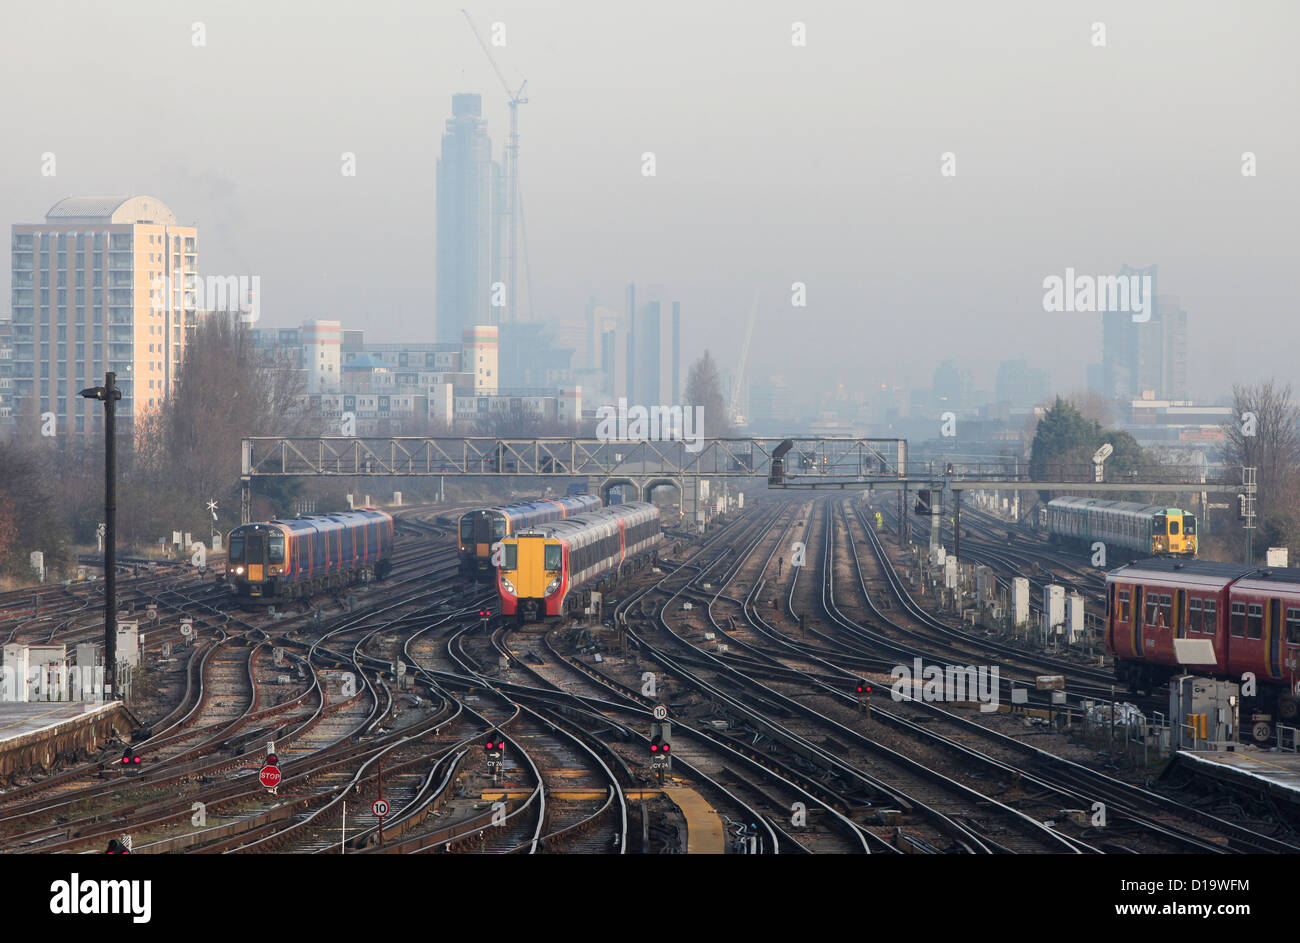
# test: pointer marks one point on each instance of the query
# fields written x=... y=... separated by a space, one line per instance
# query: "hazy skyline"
x=775 y=164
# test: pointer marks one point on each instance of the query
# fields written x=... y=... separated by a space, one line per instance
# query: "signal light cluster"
x=657 y=745
x=129 y=757
x=117 y=847
x=863 y=688
x=492 y=746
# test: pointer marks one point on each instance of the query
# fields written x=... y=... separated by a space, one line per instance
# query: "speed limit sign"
x=380 y=808
x=660 y=712
x=187 y=628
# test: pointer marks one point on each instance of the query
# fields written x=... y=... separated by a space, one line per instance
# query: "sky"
x=775 y=163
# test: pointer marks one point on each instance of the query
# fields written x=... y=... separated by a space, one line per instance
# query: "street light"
x=109 y=394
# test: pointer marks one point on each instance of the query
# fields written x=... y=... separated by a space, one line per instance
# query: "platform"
x=1277 y=774
x=704 y=833
x=34 y=733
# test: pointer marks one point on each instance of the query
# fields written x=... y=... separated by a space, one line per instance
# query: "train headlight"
x=552 y=586
x=508 y=586
x=239 y=569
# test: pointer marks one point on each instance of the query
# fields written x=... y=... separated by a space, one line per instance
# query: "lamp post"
x=109 y=394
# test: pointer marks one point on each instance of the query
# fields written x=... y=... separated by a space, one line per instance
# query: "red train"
x=1227 y=620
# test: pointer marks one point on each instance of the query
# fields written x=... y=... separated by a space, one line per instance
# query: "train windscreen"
x=551 y=557
x=277 y=549
x=1189 y=525
x=235 y=553
x=467 y=529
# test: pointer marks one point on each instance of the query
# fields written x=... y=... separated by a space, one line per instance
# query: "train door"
x=1139 y=617
x=255 y=555
x=1291 y=663
x=1274 y=638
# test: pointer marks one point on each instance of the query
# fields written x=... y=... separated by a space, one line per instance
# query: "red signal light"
x=135 y=759
x=501 y=745
x=667 y=747
x=654 y=747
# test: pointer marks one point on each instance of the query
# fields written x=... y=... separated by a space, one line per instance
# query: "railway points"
x=769 y=730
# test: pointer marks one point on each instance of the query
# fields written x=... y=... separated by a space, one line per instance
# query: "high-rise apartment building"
x=1145 y=356
x=101 y=285
x=469 y=244
x=654 y=352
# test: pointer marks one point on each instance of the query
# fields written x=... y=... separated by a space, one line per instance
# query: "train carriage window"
x=1152 y=609
x=276 y=552
x=1238 y=627
x=1210 y=623
x=1166 y=615
x=1293 y=626
x=1255 y=622
x=1193 y=615
x=1123 y=605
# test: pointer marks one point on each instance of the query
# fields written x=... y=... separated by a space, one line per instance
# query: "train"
x=1249 y=615
x=551 y=571
x=273 y=561
x=482 y=528
x=1146 y=529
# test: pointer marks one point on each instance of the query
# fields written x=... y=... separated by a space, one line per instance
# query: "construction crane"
x=514 y=99
x=734 y=414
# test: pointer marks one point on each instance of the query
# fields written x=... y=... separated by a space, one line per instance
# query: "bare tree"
x=1264 y=434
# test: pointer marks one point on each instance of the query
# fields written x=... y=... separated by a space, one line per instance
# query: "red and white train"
x=1232 y=621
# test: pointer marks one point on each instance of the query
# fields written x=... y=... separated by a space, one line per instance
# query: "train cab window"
x=511 y=556
x=467 y=530
x=1238 y=627
x=235 y=552
x=1123 y=605
x=552 y=557
x=1193 y=615
x=1189 y=525
x=1210 y=623
x=1158 y=525
x=276 y=551
x=1255 y=622
x=498 y=527
x=1293 y=626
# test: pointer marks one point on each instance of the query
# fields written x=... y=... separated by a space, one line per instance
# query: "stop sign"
x=269 y=776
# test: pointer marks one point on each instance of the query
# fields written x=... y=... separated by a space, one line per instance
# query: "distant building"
x=771 y=406
x=1145 y=356
x=100 y=286
x=468 y=249
x=1019 y=384
x=654 y=348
